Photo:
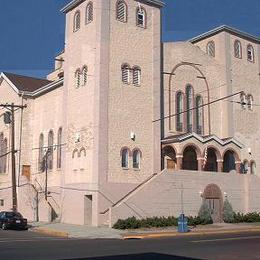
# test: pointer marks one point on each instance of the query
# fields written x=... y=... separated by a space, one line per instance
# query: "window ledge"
x=125 y=168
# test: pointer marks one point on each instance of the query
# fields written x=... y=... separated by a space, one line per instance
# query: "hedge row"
x=247 y=218
x=133 y=223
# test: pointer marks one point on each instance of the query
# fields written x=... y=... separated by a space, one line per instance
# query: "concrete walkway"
x=76 y=231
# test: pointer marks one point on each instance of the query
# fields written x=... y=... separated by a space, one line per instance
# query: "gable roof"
x=72 y=4
x=29 y=86
x=25 y=83
x=228 y=29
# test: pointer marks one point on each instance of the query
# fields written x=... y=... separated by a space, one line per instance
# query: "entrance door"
x=215 y=209
x=88 y=210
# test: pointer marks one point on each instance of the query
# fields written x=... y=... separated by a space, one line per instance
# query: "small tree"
x=204 y=214
x=229 y=215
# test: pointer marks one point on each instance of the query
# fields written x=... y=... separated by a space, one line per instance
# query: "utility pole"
x=14 y=192
x=8 y=120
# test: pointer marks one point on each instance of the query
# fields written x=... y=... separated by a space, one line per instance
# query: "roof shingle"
x=25 y=83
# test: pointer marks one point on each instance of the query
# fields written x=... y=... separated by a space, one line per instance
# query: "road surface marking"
x=225 y=239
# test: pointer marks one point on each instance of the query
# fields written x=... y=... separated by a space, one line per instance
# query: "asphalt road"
x=25 y=245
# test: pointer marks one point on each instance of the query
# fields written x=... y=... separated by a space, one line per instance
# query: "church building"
x=127 y=125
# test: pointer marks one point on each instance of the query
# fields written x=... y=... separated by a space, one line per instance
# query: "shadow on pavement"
x=145 y=256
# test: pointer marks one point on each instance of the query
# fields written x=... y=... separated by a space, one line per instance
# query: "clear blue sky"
x=32 y=31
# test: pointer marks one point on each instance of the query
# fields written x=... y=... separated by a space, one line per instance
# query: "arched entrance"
x=229 y=161
x=169 y=157
x=211 y=164
x=189 y=161
x=213 y=197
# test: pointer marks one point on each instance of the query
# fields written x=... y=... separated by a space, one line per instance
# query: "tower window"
x=250 y=102
x=76 y=23
x=189 y=105
x=141 y=17
x=126 y=73
x=136 y=159
x=136 y=76
x=250 y=53
x=237 y=49
x=124 y=158
x=121 y=11
x=77 y=78
x=199 y=115
x=179 y=110
x=89 y=12
x=243 y=100
x=211 y=49
x=84 y=75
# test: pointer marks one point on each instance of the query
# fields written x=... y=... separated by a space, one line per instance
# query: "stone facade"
x=100 y=116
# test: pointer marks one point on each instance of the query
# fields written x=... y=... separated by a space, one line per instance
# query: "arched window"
x=253 y=167
x=189 y=106
x=189 y=160
x=4 y=152
x=84 y=75
x=136 y=159
x=199 y=115
x=75 y=153
x=50 y=150
x=89 y=12
x=250 y=53
x=126 y=73
x=136 y=76
x=41 y=153
x=121 y=11
x=250 y=102
x=229 y=161
x=124 y=158
x=237 y=49
x=141 y=17
x=243 y=100
x=245 y=167
x=77 y=78
x=211 y=48
x=59 y=143
x=76 y=22
x=179 y=110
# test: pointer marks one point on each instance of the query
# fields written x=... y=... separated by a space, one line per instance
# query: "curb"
x=192 y=233
x=51 y=232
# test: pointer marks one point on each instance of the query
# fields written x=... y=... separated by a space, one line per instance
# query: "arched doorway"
x=211 y=164
x=189 y=160
x=213 y=197
x=229 y=161
x=169 y=157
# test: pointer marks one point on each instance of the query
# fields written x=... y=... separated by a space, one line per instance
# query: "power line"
x=193 y=108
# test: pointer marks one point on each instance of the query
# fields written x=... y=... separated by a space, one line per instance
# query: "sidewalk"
x=76 y=231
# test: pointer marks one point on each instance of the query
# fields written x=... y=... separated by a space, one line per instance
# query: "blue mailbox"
x=182 y=224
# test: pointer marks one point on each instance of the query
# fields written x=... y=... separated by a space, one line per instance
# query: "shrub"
x=194 y=221
x=133 y=223
x=228 y=215
x=204 y=214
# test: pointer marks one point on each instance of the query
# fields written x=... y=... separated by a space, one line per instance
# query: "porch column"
x=238 y=166
x=220 y=165
x=200 y=164
x=179 y=162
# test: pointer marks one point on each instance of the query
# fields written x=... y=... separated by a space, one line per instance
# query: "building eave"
x=226 y=29
x=204 y=140
x=43 y=90
x=71 y=5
